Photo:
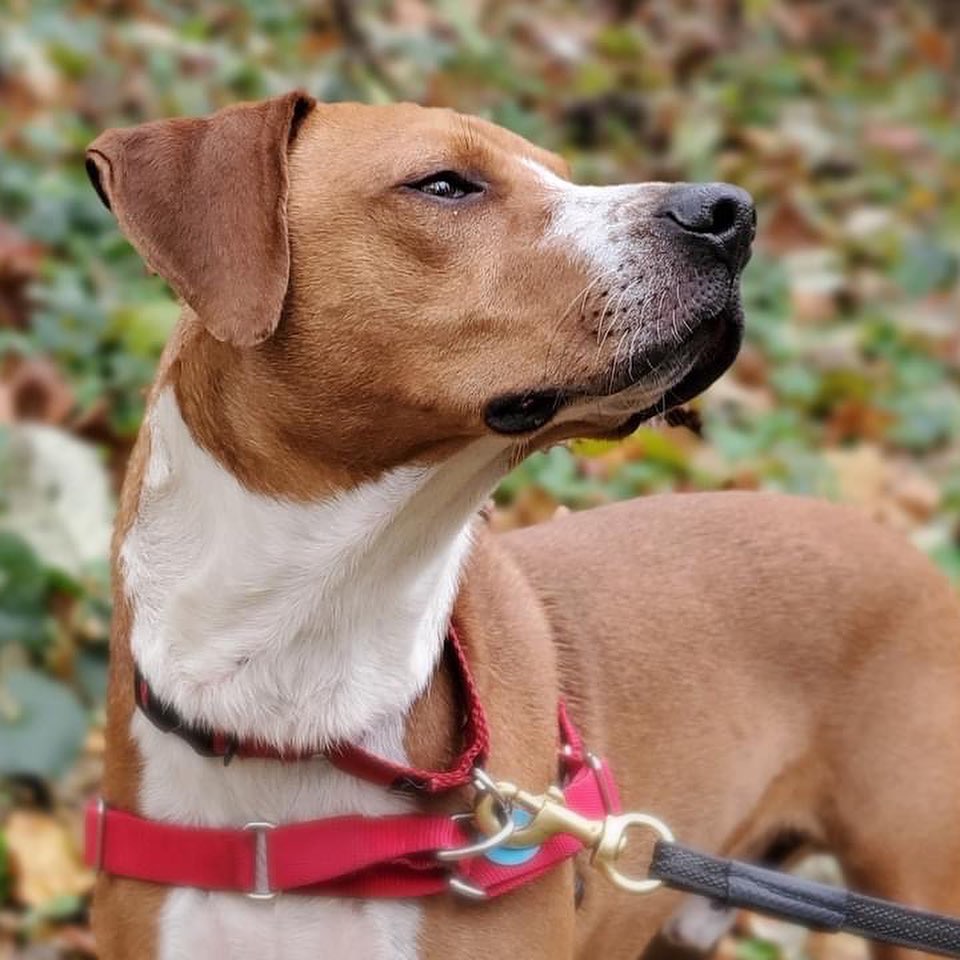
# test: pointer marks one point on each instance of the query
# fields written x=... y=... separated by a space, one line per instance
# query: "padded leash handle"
x=815 y=905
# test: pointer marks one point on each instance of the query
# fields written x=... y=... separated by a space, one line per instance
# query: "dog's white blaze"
x=587 y=220
x=301 y=624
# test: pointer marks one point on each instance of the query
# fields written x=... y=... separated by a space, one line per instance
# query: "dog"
x=384 y=310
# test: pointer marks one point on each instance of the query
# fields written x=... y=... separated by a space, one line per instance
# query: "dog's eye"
x=446 y=185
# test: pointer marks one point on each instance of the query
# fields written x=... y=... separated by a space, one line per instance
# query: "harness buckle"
x=261 y=861
x=504 y=826
x=501 y=815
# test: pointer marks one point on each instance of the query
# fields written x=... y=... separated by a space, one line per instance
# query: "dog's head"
x=368 y=286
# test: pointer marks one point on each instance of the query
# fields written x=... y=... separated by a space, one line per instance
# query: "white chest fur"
x=301 y=624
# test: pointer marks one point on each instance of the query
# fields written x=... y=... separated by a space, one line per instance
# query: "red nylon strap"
x=570 y=737
x=476 y=736
x=350 y=759
x=299 y=855
x=341 y=856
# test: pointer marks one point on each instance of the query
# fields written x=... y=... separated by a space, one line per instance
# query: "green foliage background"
x=842 y=117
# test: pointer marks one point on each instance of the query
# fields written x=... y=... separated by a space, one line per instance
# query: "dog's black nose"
x=718 y=212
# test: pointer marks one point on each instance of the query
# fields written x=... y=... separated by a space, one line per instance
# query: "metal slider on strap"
x=261 y=860
x=101 y=809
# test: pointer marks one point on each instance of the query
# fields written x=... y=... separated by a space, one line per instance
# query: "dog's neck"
x=299 y=624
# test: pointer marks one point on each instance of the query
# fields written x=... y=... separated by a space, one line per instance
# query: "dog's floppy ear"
x=204 y=201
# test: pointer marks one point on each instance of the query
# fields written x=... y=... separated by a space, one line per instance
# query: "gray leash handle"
x=816 y=905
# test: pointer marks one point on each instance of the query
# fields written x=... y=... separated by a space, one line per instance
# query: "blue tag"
x=514 y=856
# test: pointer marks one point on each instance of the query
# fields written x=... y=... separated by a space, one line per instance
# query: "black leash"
x=815 y=905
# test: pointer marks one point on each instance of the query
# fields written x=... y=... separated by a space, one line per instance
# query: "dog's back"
x=791 y=674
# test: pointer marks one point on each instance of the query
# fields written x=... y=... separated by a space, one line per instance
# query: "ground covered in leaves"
x=842 y=117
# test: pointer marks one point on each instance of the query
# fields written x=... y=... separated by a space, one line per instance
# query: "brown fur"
x=751 y=665
x=754 y=666
x=195 y=194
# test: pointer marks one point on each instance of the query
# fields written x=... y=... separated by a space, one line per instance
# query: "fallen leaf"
x=935 y=46
x=856 y=420
x=35 y=390
x=917 y=495
x=46 y=862
x=19 y=264
x=836 y=946
x=789 y=227
x=897 y=138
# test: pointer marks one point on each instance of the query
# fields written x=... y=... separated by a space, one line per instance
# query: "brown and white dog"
x=385 y=308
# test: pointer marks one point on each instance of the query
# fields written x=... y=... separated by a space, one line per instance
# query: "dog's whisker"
x=615 y=366
x=624 y=293
x=559 y=321
x=607 y=310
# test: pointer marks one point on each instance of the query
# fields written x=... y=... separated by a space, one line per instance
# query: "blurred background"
x=841 y=116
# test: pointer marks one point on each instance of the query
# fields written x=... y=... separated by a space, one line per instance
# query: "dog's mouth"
x=714 y=359
x=669 y=376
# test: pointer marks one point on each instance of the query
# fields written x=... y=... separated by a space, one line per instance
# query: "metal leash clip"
x=606 y=838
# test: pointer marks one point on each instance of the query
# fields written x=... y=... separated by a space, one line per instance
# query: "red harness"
x=392 y=856
x=348 y=758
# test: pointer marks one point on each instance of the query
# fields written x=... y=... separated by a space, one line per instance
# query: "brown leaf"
x=46 y=861
x=78 y=940
x=935 y=46
x=897 y=138
x=752 y=369
x=856 y=420
x=34 y=389
x=812 y=306
x=894 y=493
x=19 y=264
x=531 y=506
x=836 y=946
x=917 y=495
x=788 y=227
